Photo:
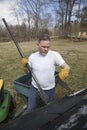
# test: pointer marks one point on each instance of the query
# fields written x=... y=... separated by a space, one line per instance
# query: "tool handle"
x=13 y=38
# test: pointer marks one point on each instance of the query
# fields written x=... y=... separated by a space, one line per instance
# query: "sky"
x=6 y=11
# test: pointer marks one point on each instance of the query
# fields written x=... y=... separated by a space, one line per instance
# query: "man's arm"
x=64 y=73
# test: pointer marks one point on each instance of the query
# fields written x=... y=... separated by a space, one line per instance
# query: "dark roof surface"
x=68 y=113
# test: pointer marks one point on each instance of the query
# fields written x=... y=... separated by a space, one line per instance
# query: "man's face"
x=43 y=47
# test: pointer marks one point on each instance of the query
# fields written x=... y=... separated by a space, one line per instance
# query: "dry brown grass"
x=75 y=54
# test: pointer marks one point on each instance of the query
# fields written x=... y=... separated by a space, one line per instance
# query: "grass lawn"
x=74 y=53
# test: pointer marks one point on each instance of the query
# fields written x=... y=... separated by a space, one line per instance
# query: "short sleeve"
x=58 y=59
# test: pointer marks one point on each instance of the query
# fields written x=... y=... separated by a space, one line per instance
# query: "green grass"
x=74 y=53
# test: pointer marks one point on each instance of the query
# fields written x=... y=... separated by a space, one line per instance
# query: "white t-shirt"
x=43 y=68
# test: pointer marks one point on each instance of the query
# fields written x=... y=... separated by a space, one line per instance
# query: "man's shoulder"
x=53 y=52
x=33 y=54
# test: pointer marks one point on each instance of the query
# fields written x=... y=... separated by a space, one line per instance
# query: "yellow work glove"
x=1 y=83
x=64 y=73
x=24 y=62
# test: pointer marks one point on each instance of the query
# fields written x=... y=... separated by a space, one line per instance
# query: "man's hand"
x=24 y=62
x=64 y=73
x=1 y=83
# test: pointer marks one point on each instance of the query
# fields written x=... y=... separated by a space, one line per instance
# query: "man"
x=43 y=63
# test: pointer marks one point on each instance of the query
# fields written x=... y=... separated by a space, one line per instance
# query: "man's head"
x=44 y=44
x=44 y=37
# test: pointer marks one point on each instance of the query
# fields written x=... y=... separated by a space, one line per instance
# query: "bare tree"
x=32 y=9
x=35 y=8
x=32 y=15
x=15 y=13
x=65 y=11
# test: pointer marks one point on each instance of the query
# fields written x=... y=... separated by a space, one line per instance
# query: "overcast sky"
x=5 y=10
